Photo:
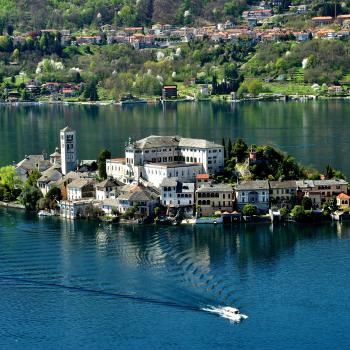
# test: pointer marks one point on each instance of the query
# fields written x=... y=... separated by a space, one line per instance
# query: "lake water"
x=70 y=285
x=316 y=133
x=73 y=285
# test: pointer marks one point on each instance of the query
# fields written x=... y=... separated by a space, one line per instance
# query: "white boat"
x=228 y=312
x=45 y=213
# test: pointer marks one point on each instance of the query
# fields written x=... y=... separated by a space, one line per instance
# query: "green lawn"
x=289 y=88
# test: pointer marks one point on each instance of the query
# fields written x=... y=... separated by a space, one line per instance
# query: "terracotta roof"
x=202 y=177
x=343 y=196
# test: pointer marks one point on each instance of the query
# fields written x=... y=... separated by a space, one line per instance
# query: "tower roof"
x=67 y=129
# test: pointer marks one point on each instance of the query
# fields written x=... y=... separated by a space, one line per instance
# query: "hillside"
x=78 y=14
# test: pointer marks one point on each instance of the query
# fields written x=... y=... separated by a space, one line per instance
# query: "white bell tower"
x=68 y=150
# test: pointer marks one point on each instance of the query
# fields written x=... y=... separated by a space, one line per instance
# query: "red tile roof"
x=202 y=177
x=343 y=196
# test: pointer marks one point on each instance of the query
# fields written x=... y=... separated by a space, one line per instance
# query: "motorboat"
x=227 y=312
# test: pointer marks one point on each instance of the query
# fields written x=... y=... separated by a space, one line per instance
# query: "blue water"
x=70 y=285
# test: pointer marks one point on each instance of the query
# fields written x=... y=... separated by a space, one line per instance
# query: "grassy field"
x=288 y=88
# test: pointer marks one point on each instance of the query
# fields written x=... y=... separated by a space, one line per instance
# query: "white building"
x=253 y=192
x=156 y=173
x=175 y=194
x=68 y=150
x=80 y=188
x=48 y=179
x=76 y=209
x=107 y=189
x=156 y=157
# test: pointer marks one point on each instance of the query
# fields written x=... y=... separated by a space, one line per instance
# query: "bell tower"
x=68 y=150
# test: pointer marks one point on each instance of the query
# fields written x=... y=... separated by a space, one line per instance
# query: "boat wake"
x=227 y=312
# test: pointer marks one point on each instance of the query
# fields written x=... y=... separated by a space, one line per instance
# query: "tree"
x=54 y=194
x=156 y=211
x=239 y=150
x=5 y=43
x=30 y=196
x=306 y=203
x=15 y=55
x=90 y=91
x=10 y=29
x=8 y=177
x=254 y=87
x=297 y=212
x=25 y=95
x=33 y=177
x=229 y=148
x=101 y=163
x=249 y=210
x=223 y=143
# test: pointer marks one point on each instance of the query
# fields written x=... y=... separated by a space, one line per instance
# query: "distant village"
x=166 y=35
x=256 y=26
x=170 y=179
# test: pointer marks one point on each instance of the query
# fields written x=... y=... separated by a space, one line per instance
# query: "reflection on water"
x=310 y=131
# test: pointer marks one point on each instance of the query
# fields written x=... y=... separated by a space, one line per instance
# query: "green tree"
x=254 y=87
x=5 y=43
x=25 y=95
x=54 y=194
x=30 y=196
x=306 y=203
x=297 y=212
x=33 y=178
x=8 y=177
x=90 y=91
x=101 y=163
x=239 y=150
x=249 y=210
x=15 y=55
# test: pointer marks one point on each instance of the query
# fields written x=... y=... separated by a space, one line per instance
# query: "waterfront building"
x=169 y=92
x=110 y=206
x=343 y=200
x=282 y=193
x=107 y=189
x=157 y=157
x=320 y=191
x=80 y=188
x=143 y=199
x=76 y=209
x=68 y=150
x=253 y=192
x=214 y=198
x=175 y=194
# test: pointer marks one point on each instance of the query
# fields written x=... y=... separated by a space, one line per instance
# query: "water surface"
x=316 y=133
x=72 y=285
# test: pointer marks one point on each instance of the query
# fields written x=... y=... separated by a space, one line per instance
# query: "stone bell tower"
x=68 y=150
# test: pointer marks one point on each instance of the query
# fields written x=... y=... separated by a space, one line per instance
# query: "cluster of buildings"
x=169 y=172
x=165 y=35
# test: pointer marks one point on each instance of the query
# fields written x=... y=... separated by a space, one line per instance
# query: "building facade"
x=213 y=198
x=156 y=157
x=253 y=192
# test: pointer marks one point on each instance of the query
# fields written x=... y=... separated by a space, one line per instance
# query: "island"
x=173 y=180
